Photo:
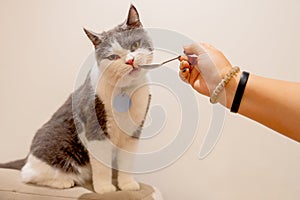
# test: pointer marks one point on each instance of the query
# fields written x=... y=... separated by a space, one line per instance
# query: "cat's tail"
x=17 y=164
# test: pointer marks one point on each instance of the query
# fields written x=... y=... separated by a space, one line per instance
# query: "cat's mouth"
x=134 y=70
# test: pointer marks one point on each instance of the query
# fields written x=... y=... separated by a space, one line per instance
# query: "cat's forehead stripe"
x=115 y=46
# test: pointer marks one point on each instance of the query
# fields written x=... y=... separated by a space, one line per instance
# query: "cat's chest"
x=126 y=109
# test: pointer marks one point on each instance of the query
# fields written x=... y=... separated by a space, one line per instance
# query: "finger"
x=194 y=49
x=183 y=58
x=208 y=46
x=184 y=72
x=184 y=64
x=194 y=75
x=185 y=75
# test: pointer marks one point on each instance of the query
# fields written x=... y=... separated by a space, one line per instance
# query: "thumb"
x=194 y=49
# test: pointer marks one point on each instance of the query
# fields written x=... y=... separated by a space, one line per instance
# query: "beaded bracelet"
x=215 y=94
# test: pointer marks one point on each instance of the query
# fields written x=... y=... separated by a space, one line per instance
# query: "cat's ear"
x=133 y=19
x=94 y=37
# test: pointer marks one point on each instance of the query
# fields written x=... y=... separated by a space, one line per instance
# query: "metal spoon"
x=155 y=65
x=192 y=59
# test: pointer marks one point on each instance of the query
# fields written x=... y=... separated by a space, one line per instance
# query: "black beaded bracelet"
x=239 y=92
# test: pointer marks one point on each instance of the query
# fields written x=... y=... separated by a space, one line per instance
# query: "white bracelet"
x=215 y=94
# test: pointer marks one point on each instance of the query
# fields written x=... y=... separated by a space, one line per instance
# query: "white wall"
x=43 y=46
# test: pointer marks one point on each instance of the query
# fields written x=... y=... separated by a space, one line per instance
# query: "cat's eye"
x=134 y=46
x=113 y=57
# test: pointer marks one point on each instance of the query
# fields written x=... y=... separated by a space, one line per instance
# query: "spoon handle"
x=192 y=59
x=177 y=57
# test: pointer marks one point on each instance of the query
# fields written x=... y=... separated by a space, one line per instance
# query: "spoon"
x=155 y=65
x=190 y=58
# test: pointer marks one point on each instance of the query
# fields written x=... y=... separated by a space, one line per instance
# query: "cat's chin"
x=132 y=77
x=135 y=70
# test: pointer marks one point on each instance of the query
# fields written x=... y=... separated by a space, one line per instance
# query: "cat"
x=57 y=156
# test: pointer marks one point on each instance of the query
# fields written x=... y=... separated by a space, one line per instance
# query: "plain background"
x=42 y=46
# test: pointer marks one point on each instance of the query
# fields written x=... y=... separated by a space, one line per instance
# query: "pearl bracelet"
x=220 y=87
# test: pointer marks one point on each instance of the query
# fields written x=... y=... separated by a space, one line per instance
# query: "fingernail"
x=183 y=58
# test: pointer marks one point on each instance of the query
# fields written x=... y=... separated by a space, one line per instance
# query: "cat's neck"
x=106 y=89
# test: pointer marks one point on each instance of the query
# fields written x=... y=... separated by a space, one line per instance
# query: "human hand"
x=209 y=70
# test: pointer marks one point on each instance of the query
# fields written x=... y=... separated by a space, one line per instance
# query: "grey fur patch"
x=17 y=164
x=90 y=110
x=93 y=130
x=125 y=37
x=57 y=142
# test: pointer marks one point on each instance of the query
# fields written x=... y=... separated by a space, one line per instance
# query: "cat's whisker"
x=151 y=53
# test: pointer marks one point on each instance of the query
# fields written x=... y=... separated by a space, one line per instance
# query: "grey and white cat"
x=57 y=157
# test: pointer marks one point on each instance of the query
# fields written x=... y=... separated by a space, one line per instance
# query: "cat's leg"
x=101 y=173
x=38 y=172
x=126 y=161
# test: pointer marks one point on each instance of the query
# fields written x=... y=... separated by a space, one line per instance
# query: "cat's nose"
x=130 y=62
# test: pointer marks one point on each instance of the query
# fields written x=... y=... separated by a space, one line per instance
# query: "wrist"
x=230 y=90
x=224 y=92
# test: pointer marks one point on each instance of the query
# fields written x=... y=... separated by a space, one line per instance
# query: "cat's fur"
x=57 y=156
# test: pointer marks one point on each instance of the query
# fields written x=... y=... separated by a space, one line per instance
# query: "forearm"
x=273 y=103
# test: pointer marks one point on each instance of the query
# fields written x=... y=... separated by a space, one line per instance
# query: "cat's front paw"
x=106 y=188
x=60 y=184
x=132 y=185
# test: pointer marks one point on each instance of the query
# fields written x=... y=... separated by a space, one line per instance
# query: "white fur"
x=134 y=85
x=38 y=172
x=115 y=78
x=126 y=122
x=130 y=56
x=116 y=48
x=123 y=125
x=109 y=79
x=126 y=163
x=100 y=159
x=156 y=194
x=101 y=155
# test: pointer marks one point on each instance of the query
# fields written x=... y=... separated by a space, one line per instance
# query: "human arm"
x=273 y=103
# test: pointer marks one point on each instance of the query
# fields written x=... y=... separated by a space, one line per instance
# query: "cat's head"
x=121 y=50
